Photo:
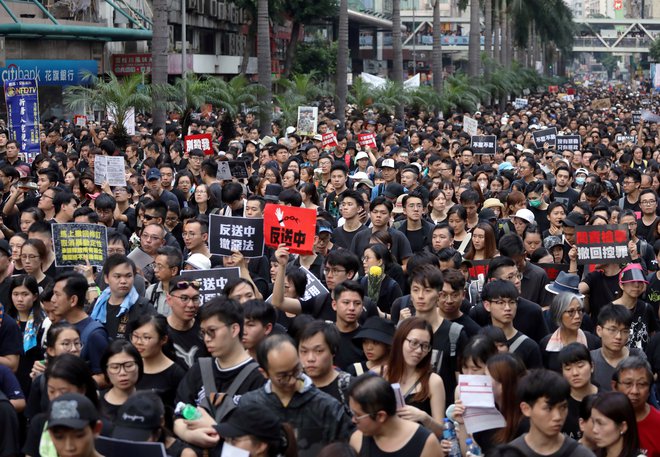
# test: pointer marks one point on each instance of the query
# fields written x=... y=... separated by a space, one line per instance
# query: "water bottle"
x=188 y=412
x=473 y=448
x=449 y=434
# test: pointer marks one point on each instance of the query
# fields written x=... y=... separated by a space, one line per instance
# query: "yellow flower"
x=375 y=271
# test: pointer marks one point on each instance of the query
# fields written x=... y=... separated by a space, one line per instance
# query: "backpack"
x=220 y=404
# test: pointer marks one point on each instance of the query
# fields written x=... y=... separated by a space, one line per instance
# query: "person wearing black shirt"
x=347 y=302
x=350 y=204
x=562 y=191
x=417 y=230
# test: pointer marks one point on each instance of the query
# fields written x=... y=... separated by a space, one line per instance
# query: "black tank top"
x=413 y=447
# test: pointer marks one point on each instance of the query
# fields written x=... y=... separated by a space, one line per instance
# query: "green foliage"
x=316 y=56
x=654 y=50
x=383 y=99
x=299 y=90
x=610 y=63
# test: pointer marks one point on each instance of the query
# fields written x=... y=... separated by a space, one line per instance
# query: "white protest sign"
x=111 y=169
x=470 y=126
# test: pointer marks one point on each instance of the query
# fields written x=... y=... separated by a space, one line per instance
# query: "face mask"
x=579 y=181
x=483 y=185
x=535 y=203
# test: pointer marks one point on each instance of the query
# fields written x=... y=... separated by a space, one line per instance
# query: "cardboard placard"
x=239 y=169
x=483 y=144
x=80 y=120
x=520 y=103
x=308 y=119
x=569 y=142
x=212 y=281
x=295 y=227
x=367 y=140
x=470 y=126
x=229 y=233
x=626 y=138
x=201 y=141
x=329 y=140
x=111 y=169
x=598 y=244
x=601 y=103
x=224 y=171
x=75 y=243
x=553 y=269
x=545 y=136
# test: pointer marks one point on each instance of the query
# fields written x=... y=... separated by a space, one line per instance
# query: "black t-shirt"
x=644 y=324
x=652 y=294
x=470 y=326
x=602 y=290
x=33 y=440
x=11 y=341
x=347 y=352
x=653 y=356
x=444 y=364
x=528 y=351
x=644 y=231
x=332 y=389
x=188 y=346
x=164 y=383
x=568 y=198
x=342 y=238
x=116 y=326
x=416 y=238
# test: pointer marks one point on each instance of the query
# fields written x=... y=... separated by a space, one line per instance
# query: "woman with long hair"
x=123 y=368
x=437 y=207
x=614 y=425
x=484 y=244
x=33 y=256
x=577 y=368
x=410 y=366
x=505 y=370
x=378 y=255
x=310 y=195
x=16 y=243
x=457 y=220
x=28 y=217
x=161 y=374
x=204 y=200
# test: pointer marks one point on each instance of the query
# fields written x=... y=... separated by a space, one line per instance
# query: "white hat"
x=199 y=261
x=525 y=215
x=361 y=155
x=290 y=130
x=317 y=137
x=581 y=170
x=389 y=163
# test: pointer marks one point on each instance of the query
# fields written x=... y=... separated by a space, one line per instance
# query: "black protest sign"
x=483 y=144
x=598 y=244
x=111 y=447
x=568 y=142
x=636 y=117
x=626 y=138
x=314 y=286
x=545 y=136
x=553 y=269
x=228 y=233
x=212 y=282
x=74 y=244
x=238 y=169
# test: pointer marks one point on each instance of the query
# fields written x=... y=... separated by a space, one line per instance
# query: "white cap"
x=361 y=155
x=525 y=215
x=199 y=261
x=290 y=130
x=581 y=170
x=388 y=163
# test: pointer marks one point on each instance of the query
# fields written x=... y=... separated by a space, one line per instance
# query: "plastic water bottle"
x=473 y=448
x=449 y=434
x=188 y=412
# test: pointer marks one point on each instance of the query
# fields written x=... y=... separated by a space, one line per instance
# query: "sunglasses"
x=182 y=285
x=148 y=217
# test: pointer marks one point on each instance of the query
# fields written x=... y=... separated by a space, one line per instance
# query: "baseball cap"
x=72 y=410
x=23 y=171
x=323 y=227
x=362 y=178
x=4 y=246
x=138 y=417
x=388 y=163
x=552 y=241
x=573 y=219
x=504 y=166
x=525 y=215
x=252 y=420
x=199 y=261
x=361 y=155
x=153 y=173
x=317 y=137
x=581 y=170
x=487 y=214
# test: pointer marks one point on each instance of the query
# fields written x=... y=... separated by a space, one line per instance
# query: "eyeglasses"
x=141 y=339
x=68 y=345
x=647 y=202
x=357 y=418
x=185 y=299
x=415 y=344
x=283 y=378
x=627 y=183
x=504 y=303
x=182 y=285
x=115 y=368
x=116 y=251
x=210 y=332
x=333 y=271
x=151 y=237
x=513 y=277
x=617 y=331
x=573 y=312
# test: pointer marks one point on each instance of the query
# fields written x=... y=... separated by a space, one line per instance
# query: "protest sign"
x=212 y=282
x=520 y=103
x=569 y=142
x=476 y=392
x=601 y=103
x=598 y=244
x=545 y=136
x=224 y=171
x=367 y=140
x=648 y=116
x=314 y=286
x=293 y=226
x=470 y=126
x=553 y=89
x=483 y=144
x=75 y=243
x=140 y=258
x=636 y=116
x=238 y=169
x=201 y=141
x=22 y=100
x=478 y=267
x=570 y=91
x=112 y=447
x=626 y=138
x=111 y=169
x=329 y=140
x=228 y=233
x=308 y=119
x=553 y=269
x=80 y=120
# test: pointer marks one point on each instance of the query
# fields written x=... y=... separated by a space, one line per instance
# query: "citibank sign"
x=50 y=72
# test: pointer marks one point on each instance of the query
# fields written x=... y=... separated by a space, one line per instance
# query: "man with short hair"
x=415 y=228
x=152 y=238
x=470 y=201
x=155 y=189
x=195 y=237
x=65 y=204
x=451 y=300
x=500 y=300
x=544 y=402
x=12 y=156
x=167 y=265
x=634 y=378
x=350 y=203
x=347 y=302
x=316 y=417
x=562 y=190
x=534 y=278
x=254 y=207
x=258 y=322
x=182 y=323
x=648 y=202
x=106 y=206
x=338 y=178
x=632 y=181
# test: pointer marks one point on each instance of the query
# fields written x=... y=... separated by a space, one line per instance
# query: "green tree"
x=317 y=56
x=185 y=96
x=112 y=95
x=654 y=50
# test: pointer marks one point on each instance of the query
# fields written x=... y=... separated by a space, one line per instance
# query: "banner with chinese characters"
x=228 y=233
x=212 y=282
x=367 y=140
x=625 y=139
x=295 y=227
x=329 y=140
x=201 y=141
x=483 y=144
x=553 y=269
x=22 y=98
x=569 y=142
x=76 y=243
x=545 y=136
x=597 y=244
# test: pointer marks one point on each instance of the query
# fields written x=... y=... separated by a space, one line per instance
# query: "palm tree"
x=113 y=96
x=264 y=66
x=397 y=50
x=474 y=45
x=436 y=54
x=159 y=48
x=186 y=96
x=342 y=61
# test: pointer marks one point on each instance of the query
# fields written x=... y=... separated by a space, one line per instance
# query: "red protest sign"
x=329 y=140
x=553 y=89
x=570 y=91
x=290 y=225
x=80 y=120
x=202 y=141
x=367 y=140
